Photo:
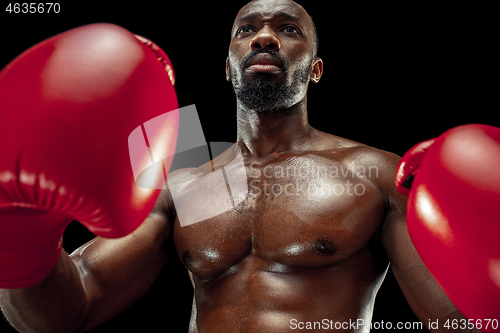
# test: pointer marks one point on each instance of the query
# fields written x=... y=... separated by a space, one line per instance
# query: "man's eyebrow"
x=280 y=14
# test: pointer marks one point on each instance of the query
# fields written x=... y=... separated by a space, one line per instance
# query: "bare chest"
x=291 y=212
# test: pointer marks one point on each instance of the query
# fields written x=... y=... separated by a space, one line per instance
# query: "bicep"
x=424 y=295
x=117 y=272
x=421 y=290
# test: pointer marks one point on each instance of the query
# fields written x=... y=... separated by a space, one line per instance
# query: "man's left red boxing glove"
x=452 y=215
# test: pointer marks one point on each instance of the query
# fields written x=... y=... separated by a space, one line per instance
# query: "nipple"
x=325 y=247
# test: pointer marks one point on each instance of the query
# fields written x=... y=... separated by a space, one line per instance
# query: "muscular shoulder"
x=370 y=157
x=379 y=164
x=175 y=181
x=186 y=176
x=186 y=181
x=360 y=153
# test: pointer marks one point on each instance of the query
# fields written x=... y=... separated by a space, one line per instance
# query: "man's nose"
x=265 y=39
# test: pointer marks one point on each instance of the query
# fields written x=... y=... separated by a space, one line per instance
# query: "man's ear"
x=317 y=70
x=228 y=78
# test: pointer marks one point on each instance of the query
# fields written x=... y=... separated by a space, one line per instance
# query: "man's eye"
x=244 y=30
x=291 y=30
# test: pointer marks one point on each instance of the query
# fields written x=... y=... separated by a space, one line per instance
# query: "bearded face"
x=267 y=92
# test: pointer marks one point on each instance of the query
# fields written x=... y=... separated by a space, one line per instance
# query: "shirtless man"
x=302 y=247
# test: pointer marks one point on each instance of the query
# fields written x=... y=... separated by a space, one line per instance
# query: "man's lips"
x=264 y=63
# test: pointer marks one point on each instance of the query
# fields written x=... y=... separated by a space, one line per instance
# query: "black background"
x=394 y=75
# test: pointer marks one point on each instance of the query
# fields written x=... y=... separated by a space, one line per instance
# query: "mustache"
x=275 y=54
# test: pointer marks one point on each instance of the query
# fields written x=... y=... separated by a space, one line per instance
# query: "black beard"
x=263 y=95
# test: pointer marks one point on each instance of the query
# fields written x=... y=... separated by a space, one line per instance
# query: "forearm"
x=57 y=304
x=438 y=316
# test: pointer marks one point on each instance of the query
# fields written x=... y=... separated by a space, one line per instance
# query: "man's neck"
x=262 y=134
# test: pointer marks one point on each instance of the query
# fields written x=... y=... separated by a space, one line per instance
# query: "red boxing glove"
x=453 y=217
x=408 y=166
x=68 y=106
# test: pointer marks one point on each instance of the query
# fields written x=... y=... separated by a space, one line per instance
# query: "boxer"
x=317 y=249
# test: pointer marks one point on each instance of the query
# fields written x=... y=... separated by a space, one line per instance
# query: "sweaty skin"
x=311 y=241
x=310 y=253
